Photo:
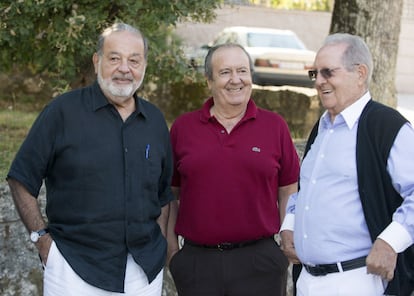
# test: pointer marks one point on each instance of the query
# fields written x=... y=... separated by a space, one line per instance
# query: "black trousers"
x=259 y=269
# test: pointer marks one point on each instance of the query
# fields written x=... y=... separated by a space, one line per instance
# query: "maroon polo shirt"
x=229 y=182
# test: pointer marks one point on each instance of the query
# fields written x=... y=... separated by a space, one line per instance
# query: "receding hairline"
x=208 y=71
x=119 y=28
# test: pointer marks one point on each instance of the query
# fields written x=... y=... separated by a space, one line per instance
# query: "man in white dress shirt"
x=351 y=225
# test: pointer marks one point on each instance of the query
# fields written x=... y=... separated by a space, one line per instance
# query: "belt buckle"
x=224 y=246
x=316 y=270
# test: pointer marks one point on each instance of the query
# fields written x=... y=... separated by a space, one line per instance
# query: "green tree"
x=58 y=37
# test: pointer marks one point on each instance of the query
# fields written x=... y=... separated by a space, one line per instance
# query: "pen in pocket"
x=147 y=149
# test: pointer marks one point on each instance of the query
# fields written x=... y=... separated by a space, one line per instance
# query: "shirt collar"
x=99 y=99
x=352 y=113
x=205 y=116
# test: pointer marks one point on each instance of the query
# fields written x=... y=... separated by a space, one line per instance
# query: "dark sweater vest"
x=377 y=129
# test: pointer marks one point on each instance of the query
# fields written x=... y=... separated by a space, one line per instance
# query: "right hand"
x=288 y=247
x=170 y=254
x=43 y=246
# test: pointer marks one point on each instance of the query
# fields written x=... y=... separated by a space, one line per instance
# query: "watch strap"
x=42 y=232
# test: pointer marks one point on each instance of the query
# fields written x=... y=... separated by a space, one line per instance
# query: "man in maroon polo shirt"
x=234 y=168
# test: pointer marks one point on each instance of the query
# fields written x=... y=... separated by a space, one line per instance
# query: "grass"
x=14 y=126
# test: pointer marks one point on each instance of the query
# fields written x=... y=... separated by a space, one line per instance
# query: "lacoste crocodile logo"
x=256 y=149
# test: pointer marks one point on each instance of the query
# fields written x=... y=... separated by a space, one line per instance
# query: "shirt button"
x=305 y=236
x=313 y=181
x=307 y=208
x=222 y=131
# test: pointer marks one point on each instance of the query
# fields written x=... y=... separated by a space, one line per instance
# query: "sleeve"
x=176 y=175
x=36 y=152
x=290 y=160
x=400 y=233
x=165 y=192
x=289 y=221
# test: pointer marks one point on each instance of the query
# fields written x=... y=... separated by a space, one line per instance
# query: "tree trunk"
x=378 y=22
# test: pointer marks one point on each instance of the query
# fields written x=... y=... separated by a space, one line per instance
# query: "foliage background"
x=56 y=38
x=46 y=48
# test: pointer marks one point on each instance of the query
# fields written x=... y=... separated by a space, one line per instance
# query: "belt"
x=224 y=246
x=324 y=269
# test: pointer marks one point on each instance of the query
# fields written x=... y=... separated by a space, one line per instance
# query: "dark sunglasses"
x=325 y=72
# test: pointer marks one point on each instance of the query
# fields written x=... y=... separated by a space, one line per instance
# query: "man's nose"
x=235 y=76
x=319 y=79
x=124 y=66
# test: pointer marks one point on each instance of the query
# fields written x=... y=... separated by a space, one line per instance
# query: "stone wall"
x=21 y=271
x=299 y=106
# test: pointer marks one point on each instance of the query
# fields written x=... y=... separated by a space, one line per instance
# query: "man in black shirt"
x=104 y=155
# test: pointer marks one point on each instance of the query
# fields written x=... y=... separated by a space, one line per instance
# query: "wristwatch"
x=35 y=235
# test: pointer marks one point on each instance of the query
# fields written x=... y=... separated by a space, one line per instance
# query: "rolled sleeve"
x=288 y=222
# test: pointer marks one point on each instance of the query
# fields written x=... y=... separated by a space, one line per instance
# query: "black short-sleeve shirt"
x=106 y=181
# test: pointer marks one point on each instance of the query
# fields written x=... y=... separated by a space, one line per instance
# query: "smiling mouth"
x=326 y=91
x=235 y=89
x=122 y=79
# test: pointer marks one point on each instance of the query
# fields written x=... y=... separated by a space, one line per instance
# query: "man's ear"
x=208 y=82
x=95 y=60
x=362 y=72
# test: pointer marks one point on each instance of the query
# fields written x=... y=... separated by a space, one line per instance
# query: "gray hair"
x=119 y=27
x=357 y=51
x=208 y=67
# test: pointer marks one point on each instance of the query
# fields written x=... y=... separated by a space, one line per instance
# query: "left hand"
x=382 y=260
x=287 y=246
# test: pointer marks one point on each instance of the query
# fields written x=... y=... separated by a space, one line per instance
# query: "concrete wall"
x=311 y=27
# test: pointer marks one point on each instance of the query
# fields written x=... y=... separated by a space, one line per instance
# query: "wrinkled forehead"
x=230 y=56
x=124 y=41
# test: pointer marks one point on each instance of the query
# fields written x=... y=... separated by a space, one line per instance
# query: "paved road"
x=406 y=106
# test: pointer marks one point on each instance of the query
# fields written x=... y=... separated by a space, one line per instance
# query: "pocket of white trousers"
x=51 y=257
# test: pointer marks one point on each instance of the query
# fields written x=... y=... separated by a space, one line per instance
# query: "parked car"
x=279 y=56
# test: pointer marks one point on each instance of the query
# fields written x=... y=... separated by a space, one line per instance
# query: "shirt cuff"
x=288 y=222
x=396 y=236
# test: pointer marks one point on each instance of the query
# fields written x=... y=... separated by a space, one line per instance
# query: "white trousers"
x=354 y=282
x=60 y=280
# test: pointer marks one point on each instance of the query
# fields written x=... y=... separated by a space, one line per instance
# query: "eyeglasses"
x=325 y=72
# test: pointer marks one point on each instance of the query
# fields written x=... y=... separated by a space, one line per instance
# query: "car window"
x=273 y=40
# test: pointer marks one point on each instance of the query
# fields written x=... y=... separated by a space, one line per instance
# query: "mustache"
x=122 y=76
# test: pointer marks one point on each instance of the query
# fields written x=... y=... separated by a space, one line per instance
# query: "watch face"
x=34 y=236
